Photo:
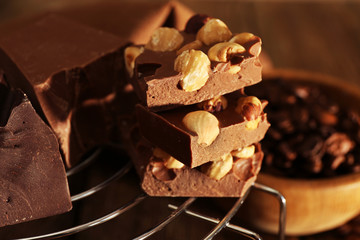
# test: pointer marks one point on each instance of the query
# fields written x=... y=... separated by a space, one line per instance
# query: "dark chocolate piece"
x=33 y=182
x=157 y=83
x=157 y=180
x=71 y=73
x=166 y=130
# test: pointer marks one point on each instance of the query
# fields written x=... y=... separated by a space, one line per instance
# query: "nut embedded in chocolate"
x=219 y=168
x=204 y=124
x=249 y=107
x=224 y=51
x=165 y=39
x=194 y=67
x=213 y=31
x=215 y=104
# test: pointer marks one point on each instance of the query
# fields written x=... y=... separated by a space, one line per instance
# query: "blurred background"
x=314 y=35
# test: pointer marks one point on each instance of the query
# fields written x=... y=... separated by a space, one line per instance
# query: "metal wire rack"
x=177 y=210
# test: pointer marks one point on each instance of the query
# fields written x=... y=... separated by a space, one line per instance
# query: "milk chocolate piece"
x=33 y=182
x=157 y=83
x=191 y=182
x=71 y=74
x=166 y=130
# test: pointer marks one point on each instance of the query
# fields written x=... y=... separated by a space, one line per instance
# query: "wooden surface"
x=318 y=36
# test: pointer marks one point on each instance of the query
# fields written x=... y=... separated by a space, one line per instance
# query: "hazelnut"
x=222 y=52
x=246 y=152
x=219 y=168
x=243 y=169
x=130 y=55
x=213 y=31
x=194 y=65
x=242 y=38
x=253 y=124
x=249 y=107
x=204 y=124
x=169 y=161
x=173 y=163
x=196 y=22
x=197 y=44
x=165 y=39
x=215 y=104
x=160 y=172
x=245 y=38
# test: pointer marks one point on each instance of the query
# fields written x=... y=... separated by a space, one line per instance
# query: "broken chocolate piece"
x=191 y=182
x=160 y=86
x=33 y=182
x=167 y=131
x=70 y=72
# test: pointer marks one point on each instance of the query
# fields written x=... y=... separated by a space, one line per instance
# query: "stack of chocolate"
x=199 y=132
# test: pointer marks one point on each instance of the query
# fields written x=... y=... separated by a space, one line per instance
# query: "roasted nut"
x=242 y=38
x=253 y=124
x=197 y=44
x=165 y=39
x=194 y=65
x=169 y=161
x=245 y=152
x=243 y=169
x=196 y=22
x=214 y=31
x=222 y=52
x=173 y=163
x=249 y=107
x=130 y=55
x=204 y=124
x=215 y=104
x=234 y=69
x=162 y=173
x=219 y=168
x=245 y=38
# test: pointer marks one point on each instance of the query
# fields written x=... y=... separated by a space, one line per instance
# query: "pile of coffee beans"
x=311 y=135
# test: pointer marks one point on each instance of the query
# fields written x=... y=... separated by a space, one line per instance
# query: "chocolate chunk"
x=167 y=131
x=159 y=88
x=33 y=182
x=191 y=181
x=71 y=73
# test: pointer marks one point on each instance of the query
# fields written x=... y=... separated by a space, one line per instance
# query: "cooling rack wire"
x=177 y=210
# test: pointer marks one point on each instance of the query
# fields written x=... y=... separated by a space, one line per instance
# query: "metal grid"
x=177 y=210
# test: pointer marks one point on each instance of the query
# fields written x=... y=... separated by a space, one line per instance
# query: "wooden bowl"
x=312 y=205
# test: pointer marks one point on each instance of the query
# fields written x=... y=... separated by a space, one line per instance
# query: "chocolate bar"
x=71 y=73
x=238 y=125
x=182 y=68
x=161 y=179
x=33 y=182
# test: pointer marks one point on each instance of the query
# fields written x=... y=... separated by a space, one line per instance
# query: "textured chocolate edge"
x=33 y=182
x=182 y=144
x=190 y=182
x=159 y=91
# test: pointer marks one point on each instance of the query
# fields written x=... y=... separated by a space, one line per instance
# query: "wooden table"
x=317 y=36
